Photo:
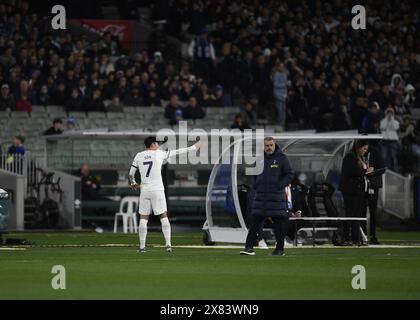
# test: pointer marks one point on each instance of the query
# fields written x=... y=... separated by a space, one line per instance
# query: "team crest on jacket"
x=274 y=165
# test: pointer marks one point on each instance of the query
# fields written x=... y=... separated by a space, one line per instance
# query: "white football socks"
x=166 y=229
x=143 y=233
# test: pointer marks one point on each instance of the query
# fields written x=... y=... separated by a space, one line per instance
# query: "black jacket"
x=52 y=131
x=375 y=160
x=352 y=180
x=269 y=197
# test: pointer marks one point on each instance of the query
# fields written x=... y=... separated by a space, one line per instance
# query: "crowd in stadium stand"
x=305 y=57
x=302 y=57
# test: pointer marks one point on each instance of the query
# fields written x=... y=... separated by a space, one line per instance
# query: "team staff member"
x=354 y=186
x=374 y=159
x=269 y=200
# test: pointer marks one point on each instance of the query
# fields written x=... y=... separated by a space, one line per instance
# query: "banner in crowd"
x=120 y=28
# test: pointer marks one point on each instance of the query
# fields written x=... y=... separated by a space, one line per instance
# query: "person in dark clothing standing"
x=354 y=186
x=15 y=154
x=373 y=159
x=269 y=197
x=57 y=128
x=90 y=184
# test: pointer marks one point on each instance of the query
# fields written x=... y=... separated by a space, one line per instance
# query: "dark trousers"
x=281 y=224
x=355 y=207
x=372 y=203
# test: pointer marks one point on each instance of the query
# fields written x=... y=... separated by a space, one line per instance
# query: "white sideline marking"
x=122 y=245
x=292 y=247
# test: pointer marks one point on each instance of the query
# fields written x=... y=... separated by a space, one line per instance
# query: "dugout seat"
x=320 y=198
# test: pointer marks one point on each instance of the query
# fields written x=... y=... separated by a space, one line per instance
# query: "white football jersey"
x=149 y=163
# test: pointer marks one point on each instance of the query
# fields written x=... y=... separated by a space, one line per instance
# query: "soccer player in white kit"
x=152 y=195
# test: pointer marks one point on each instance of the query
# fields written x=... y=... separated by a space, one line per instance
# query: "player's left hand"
x=134 y=186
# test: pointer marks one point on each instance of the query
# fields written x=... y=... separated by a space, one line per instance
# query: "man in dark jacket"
x=269 y=197
x=374 y=159
x=90 y=184
x=57 y=128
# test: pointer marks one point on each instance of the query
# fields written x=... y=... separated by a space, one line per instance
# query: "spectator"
x=240 y=123
x=7 y=103
x=23 y=104
x=397 y=84
x=299 y=106
x=205 y=98
x=221 y=99
x=152 y=100
x=59 y=97
x=134 y=99
x=410 y=140
x=159 y=63
x=341 y=114
x=43 y=96
x=115 y=105
x=186 y=90
x=84 y=91
x=390 y=145
x=250 y=116
x=17 y=146
x=7 y=60
x=410 y=96
x=24 y=96
x=57 y=128
x=193 y=110
x=173 y=110
x=15 y=153
x=74 y=103
x=370 y=123
x=90 y=184
x=280 y=93
x=245 y=71
x=96 y=103
x=202 y=53
x=71 y=124
x=106 y=67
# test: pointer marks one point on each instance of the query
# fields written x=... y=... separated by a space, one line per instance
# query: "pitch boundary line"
x=125 y=245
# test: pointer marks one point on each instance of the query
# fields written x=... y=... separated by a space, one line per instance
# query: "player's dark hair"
x=149 y=141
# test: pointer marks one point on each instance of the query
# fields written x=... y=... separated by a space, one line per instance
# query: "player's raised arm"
x=194 y=147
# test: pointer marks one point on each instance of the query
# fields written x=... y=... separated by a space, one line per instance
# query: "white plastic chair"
x=129 y=217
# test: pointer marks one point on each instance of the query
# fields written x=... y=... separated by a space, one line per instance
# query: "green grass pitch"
x=98 y=272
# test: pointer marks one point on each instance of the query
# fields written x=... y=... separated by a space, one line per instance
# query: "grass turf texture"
x=187 y=273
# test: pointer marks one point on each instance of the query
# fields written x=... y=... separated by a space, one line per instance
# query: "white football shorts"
x=152 y=200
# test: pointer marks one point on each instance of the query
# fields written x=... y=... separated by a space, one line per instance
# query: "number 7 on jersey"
x=150 y=164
